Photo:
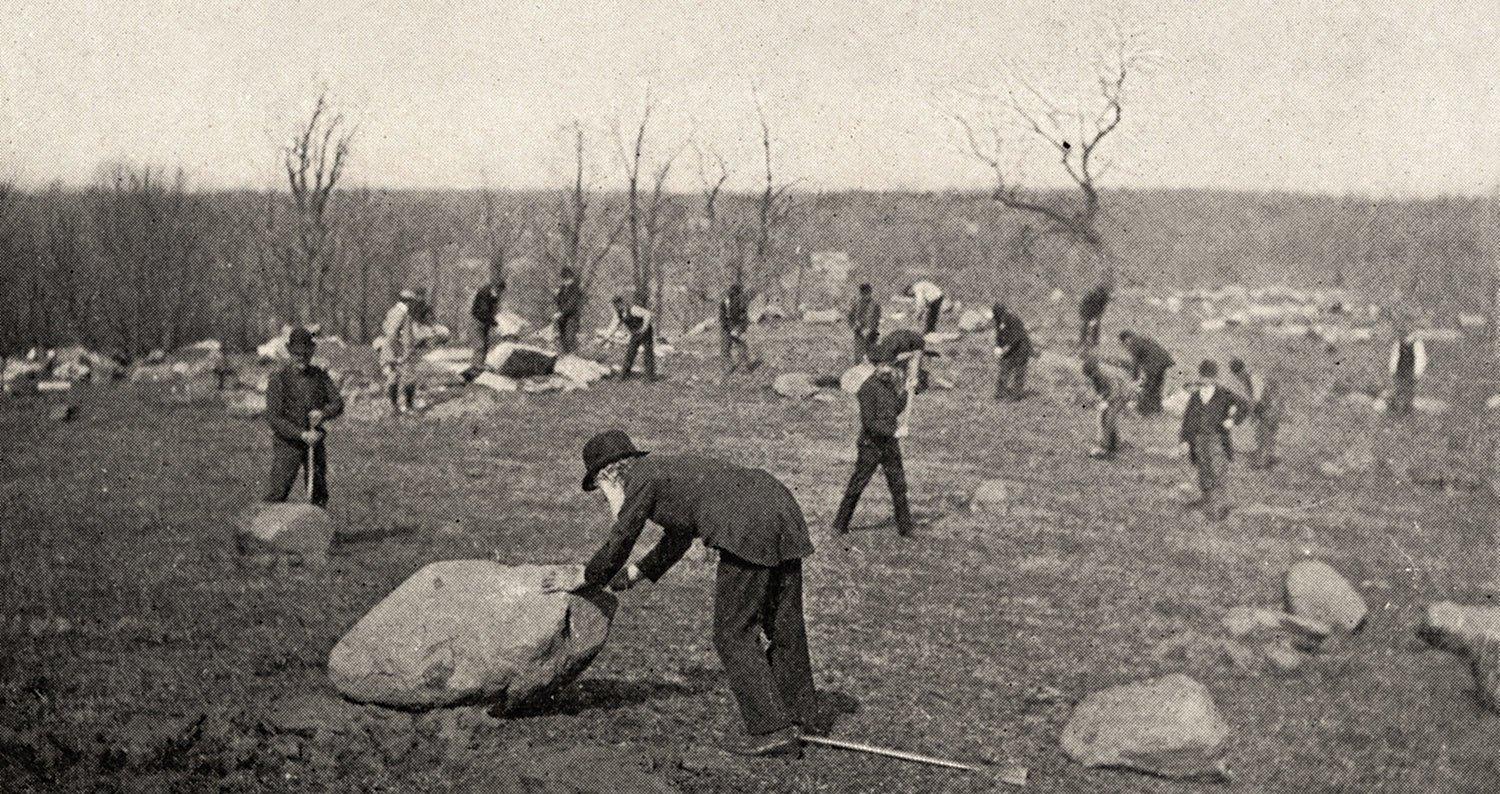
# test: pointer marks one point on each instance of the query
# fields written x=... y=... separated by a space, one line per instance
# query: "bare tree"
x=314 y=162
x=651 y=213
x=1074 y=135
x=502 y=233
x=584 y=234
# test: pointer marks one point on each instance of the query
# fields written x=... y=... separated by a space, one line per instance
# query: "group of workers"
x=752 y=519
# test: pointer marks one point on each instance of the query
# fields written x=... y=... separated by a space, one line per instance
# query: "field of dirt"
x=137 y=654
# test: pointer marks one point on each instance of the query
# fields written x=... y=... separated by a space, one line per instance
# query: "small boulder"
x=1458 y=628
x=470 y=631
x=795 y=385
x=62 y=413
x=990 y=497
x=297 y=531
x=972 y=320
x=244 y=404
x=1167 y=726
x=1315 y=590
x=822 y=316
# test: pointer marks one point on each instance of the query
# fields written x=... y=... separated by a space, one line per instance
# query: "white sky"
x=1379 y=96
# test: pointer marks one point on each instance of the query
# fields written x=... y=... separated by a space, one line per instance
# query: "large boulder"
x=297 y=531
x=520 y=361
x=467 y=631
x=1166 y=726
x=795 y=385
x=580 y=370
x=1458 y=628
x=1315 y=590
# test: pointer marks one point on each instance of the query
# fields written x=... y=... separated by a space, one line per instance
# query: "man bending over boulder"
x=758 y=528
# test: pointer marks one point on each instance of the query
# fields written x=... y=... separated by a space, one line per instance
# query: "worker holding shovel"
x=761 y=535
x=299 y=399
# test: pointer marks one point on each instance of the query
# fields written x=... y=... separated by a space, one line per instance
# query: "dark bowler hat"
x=611 y=446
x=300 y=339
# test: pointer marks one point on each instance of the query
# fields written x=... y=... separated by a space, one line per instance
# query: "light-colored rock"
x=1315 y=590
x=822 y=316
x=795 y=385
x=509 y=324
x=490 y=380
x=1175 y=404
x=62 y=413
x=471 y=631
x=297 y=531
x=991 y=496
x=244 y=404
x=973 y=319
x=1167 y=726
x=580 y=370
x=1283 y=657
x=940 y=338
x=855 y=377
x=1457 y=627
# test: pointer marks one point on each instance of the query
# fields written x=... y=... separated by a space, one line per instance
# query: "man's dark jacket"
x=1011 y=336
x=1207 y=419
x=291 y=394
x=864 y=314
x=1148 y=356
x=881 y=401
x=486 y=301
x=745 y=512
x=569 y=299
x=1091 y=305
x=734 y=313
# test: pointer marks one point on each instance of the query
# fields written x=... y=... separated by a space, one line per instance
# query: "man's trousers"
x=774 y=686
x=287 y=462
x=645 y=342
x=1010 y=382
x=873 y=454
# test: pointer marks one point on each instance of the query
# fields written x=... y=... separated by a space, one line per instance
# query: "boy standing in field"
x=569 y=301
x=398 y=353
x=1013 y=351
x=299 y=399
x=486 y=304
x=1211 y=412
x=734 y=322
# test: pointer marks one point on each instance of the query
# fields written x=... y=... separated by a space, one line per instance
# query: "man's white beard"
x=615 y=493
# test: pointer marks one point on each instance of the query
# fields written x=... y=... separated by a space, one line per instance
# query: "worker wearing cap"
x=1211 y=411
x=930 y=299
x=299 y=399
x=568 y=301
x=864 y=321
x=1013 y=352
x=883 y=398
x=1149 y=364
x=398 y=351
x=759 y=531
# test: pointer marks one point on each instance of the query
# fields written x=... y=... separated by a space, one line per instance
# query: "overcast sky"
x=1379 y=97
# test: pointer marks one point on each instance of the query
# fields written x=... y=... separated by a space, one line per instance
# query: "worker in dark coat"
x=864 y=321
x=1091 y=314
x=734 y=323
x=299 y=399
x=1149 y=364
x=1114 y=391
x=882 y=400
x=569 y=302
x=1013 y=351
x=486 y=304
x=759 y=531
x=1408 y=363
x=641 y=323
x=1211 y=412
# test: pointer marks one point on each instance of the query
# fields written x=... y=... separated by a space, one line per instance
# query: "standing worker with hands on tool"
x=883 y=400
x=398 y=351
x=299 y=399
x=640 y=322
x=759 y=531
x=1013 y=351
x=734 y=323
x=486 y=304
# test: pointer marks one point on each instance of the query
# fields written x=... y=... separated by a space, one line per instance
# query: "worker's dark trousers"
x=646 y=343
x=481 y=343
x=774 y=686
x=1010 y=383
x=933 y=310
x=729 y=344
x=1403 y=395
x=1107 y=439
x=1212 y=462
x=864 y=342
x=885 y=454
x=1267 y=421
x=1088 y=332
x=287 y=462
x=567 y=333
x=1149 y=401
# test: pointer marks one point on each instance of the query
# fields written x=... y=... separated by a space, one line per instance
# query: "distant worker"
x=483 y=310
x=929 y=301
x=1408 y=364
x=864 y=321
x=399 y=348
x=1091 y=314
x=299 y=399
x=1264 y=394
x=1114 y=391
x=1013 y=351
x=1149 y=364
x=883 y=398
x=569 y=302
x=760 y=533
x=640 y=322
x=1211 y=411
x=734 y=323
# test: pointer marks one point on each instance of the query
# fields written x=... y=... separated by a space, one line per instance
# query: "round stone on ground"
x=297 y=531
x=1167 y=726
x=1315 y=590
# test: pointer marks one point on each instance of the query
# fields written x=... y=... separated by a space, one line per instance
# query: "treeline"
x=140 y=260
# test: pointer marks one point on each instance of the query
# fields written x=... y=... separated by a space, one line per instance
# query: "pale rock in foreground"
x=470 y=631
x=296 y=530
x=1458 y=628
x=1315 y=590
x=1167 y=726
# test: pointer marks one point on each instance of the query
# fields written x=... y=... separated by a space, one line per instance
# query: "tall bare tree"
x=651 y=213
x=314 y=162
x=584 y=235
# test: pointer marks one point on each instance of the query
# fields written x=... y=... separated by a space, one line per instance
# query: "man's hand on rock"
x=563 y=579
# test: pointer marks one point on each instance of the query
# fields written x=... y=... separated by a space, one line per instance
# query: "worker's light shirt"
x=1419 y=356
x=926 y=291
x=1206 y=392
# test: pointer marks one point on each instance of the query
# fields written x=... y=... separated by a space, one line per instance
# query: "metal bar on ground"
x=860 y=747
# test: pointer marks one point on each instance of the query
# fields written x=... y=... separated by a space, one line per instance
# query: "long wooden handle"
x=861 y=747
